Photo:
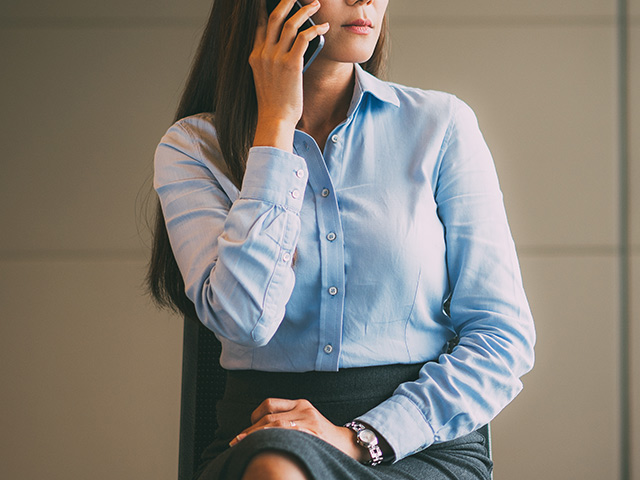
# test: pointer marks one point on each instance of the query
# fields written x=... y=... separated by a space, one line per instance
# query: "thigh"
x=466 y=458
x=462 y=459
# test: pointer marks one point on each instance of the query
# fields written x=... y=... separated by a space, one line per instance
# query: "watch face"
x=367 y=437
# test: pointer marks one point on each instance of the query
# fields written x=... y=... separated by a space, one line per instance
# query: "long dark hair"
x=221 y=82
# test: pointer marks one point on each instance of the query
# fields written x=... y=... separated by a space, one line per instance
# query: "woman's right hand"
x=277 y=62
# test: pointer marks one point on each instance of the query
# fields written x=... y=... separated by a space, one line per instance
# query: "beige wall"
x=90 y=372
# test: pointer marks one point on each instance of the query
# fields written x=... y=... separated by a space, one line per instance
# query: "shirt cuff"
x=275 y=176
x=402 y=424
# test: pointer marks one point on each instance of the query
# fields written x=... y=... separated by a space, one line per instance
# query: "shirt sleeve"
x=468 y=387
x=235 y=256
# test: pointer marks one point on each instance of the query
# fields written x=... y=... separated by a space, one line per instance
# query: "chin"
x=352 y=56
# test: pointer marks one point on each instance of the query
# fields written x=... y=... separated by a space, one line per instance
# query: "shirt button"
x=305 y=145
x=295 y=193
x=328 y=349
x=300 y=173
x=331 y=236
x=335 y=138
x=333 y=291
x=286 y=257
x=325 y=192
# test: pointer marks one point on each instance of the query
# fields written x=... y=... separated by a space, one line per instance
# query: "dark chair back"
x=203 y=381
x=486 y=433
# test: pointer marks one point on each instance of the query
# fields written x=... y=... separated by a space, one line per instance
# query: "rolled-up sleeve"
x=468 y=387
x=234 y=250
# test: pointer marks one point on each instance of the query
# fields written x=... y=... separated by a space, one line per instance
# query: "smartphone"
x=315 y=45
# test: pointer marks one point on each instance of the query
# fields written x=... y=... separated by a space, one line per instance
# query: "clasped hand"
x=301 y=415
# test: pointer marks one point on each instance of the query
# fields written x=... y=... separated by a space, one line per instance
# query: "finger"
x=268 y=421
x=291 y=26
x=276 y=20
x=271 y=406
x=305 y=37
x=261 y=29
x=237 y=439
x=304 y=14
x=275 y=420
x=263 y=16
x=290 y=425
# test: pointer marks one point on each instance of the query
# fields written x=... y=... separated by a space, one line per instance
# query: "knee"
x=272 y=465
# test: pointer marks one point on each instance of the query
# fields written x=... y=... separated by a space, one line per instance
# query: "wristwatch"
x=367 y=439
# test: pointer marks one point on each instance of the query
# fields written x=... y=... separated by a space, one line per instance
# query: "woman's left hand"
x=302 y=415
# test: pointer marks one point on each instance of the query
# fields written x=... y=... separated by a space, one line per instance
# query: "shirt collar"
x=367 y=83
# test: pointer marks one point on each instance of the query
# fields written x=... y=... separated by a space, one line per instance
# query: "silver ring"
x=292 y=423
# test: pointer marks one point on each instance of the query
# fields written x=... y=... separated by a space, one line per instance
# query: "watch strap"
x=373 y=447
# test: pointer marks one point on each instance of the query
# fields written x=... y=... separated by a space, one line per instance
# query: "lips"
x=360 y=22
x=360 y=26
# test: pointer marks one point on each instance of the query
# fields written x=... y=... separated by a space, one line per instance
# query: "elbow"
x=519 y=338
x=529 y=347
x=250 y=328
x=237 y=330
x=523 y=343
x=511 y=343
x=238 y=312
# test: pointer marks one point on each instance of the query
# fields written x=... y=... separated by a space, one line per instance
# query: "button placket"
x=331 y=251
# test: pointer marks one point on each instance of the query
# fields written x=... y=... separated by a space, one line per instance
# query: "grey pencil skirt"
x=340 y=396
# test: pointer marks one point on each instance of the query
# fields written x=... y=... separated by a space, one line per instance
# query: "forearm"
x=274 y=132
x=234 y=247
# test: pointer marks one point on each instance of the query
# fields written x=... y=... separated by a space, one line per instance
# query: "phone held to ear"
x=315 y=45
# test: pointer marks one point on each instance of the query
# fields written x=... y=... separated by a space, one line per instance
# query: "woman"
x=346 y=241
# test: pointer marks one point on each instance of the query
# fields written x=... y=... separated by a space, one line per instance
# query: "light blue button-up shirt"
x=402 y=245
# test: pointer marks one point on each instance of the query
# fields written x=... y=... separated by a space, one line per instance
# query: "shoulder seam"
x=187 y=129
x=447 y=136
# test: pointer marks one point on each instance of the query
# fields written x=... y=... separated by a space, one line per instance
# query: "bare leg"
x=274 y=466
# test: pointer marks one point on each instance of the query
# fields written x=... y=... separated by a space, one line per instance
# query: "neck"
x=327 y=95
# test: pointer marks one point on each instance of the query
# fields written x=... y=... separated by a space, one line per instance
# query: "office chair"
x=203 y=381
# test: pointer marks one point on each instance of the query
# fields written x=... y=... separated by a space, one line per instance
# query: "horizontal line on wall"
x=73 y=255
x=111 y=22
x=505 y=21
x=572 y=250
